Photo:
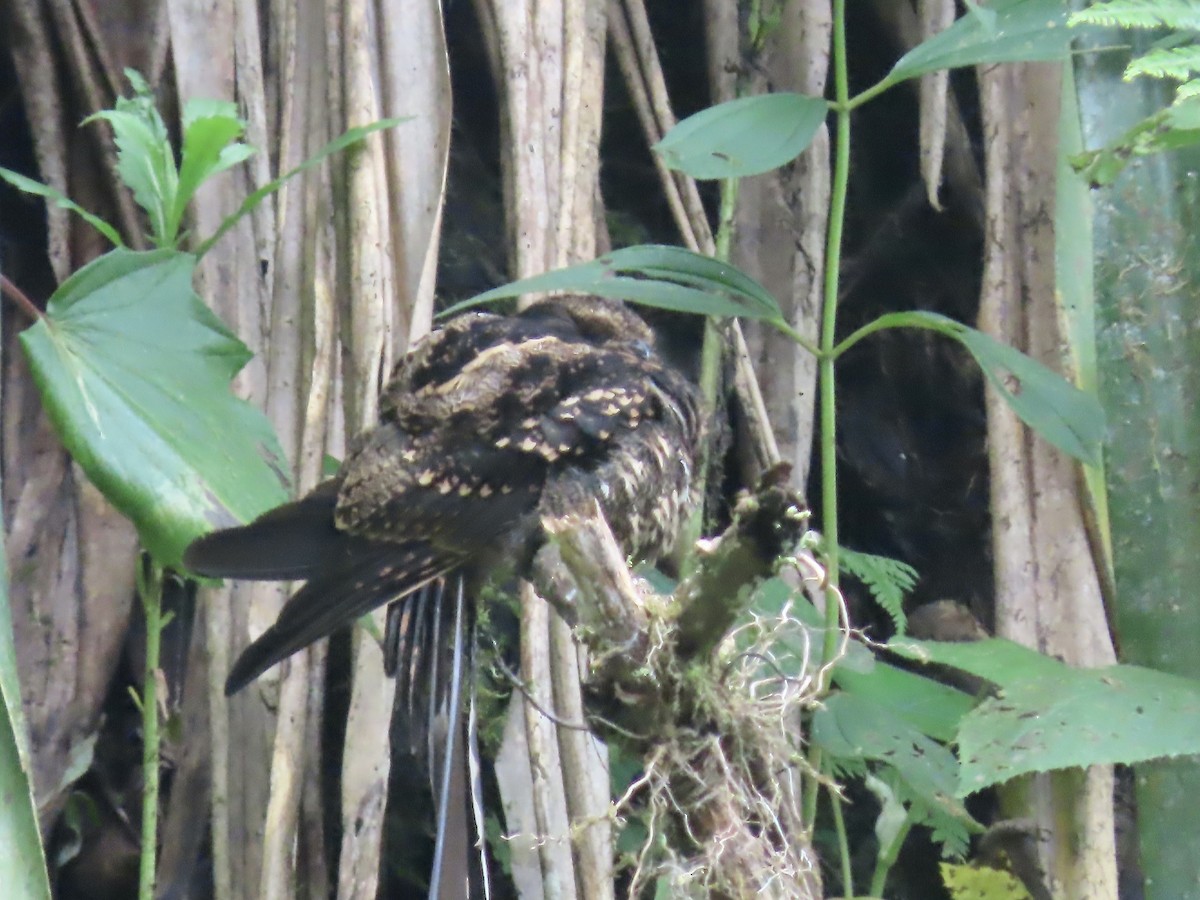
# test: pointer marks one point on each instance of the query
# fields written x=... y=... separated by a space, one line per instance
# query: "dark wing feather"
x=341 y=592
x=291 y=542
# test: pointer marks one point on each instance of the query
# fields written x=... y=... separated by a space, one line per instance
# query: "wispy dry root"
x=720 y=793
x=717 y=729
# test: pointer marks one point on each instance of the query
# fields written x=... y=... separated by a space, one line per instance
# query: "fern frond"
x=887 y=579
x=949 y=822
x=1178 y=14
x=1178 y=63
x=1189 y=90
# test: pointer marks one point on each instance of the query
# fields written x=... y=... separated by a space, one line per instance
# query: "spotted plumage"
x=485 y=425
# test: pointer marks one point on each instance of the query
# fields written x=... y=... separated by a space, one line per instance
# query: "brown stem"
x=18 y=297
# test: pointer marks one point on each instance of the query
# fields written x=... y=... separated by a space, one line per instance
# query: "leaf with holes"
x=969 y=882
x=1069 y=418
x=933 y=708
x=134 y=372
x=855 y=727
x=1047 y=715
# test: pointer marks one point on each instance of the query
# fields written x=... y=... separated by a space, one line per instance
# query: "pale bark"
x=1047 y=588
x=936 y=16
x=551 y=60
x=70 y=554
x=780 y=233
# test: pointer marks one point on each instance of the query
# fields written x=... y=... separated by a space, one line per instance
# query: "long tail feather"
x=475 y=772
x=450 y=754
x=339 y=594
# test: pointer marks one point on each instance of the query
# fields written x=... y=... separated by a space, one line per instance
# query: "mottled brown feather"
x=486 y=422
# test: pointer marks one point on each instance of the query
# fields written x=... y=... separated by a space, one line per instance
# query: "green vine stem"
x=887 y=857
x=833 y=260
x=839 y=826
x=149 y=587
x=784 y=328
x=711 y=354
x=892 y=320
x=827 y=392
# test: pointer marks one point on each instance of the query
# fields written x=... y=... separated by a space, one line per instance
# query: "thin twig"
x=520 y=685
x=17 y=296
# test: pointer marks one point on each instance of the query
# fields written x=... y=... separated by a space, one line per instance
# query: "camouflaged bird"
x=487 y=423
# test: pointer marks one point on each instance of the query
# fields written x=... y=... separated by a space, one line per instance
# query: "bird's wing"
x=373 y=574
x=291 y=542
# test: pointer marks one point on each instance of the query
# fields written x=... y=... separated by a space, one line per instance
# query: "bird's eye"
x=642 y=349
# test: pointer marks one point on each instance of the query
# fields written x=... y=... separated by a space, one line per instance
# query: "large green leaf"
x=855 y=727
x=933 y=708
x=653 y=275
x=930 y=707
x=22 y=860
x=1047 y=715
x=1003 y=31
x=743 y=137
x=134 y=372
x=1067 y=417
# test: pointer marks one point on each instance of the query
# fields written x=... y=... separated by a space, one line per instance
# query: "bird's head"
x=598 y=321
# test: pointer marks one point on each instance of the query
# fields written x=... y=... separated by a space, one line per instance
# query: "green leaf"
x=22 y=859
x=145 y=160
x=653 y=275
x=1004 y=31
x=743 y=137
x=134 y=372
x=1189 y=90
x=210 y=132
x=933 y=708
x=854 y=727
x=970 y=882
x=949 y=824
x=62 y=201
x=1048 y=715
x=857 y=728
x=1069 y=418
x=349 y=138
x=1178 y=63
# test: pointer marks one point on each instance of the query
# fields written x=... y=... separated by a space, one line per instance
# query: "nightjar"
x=486 y=423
